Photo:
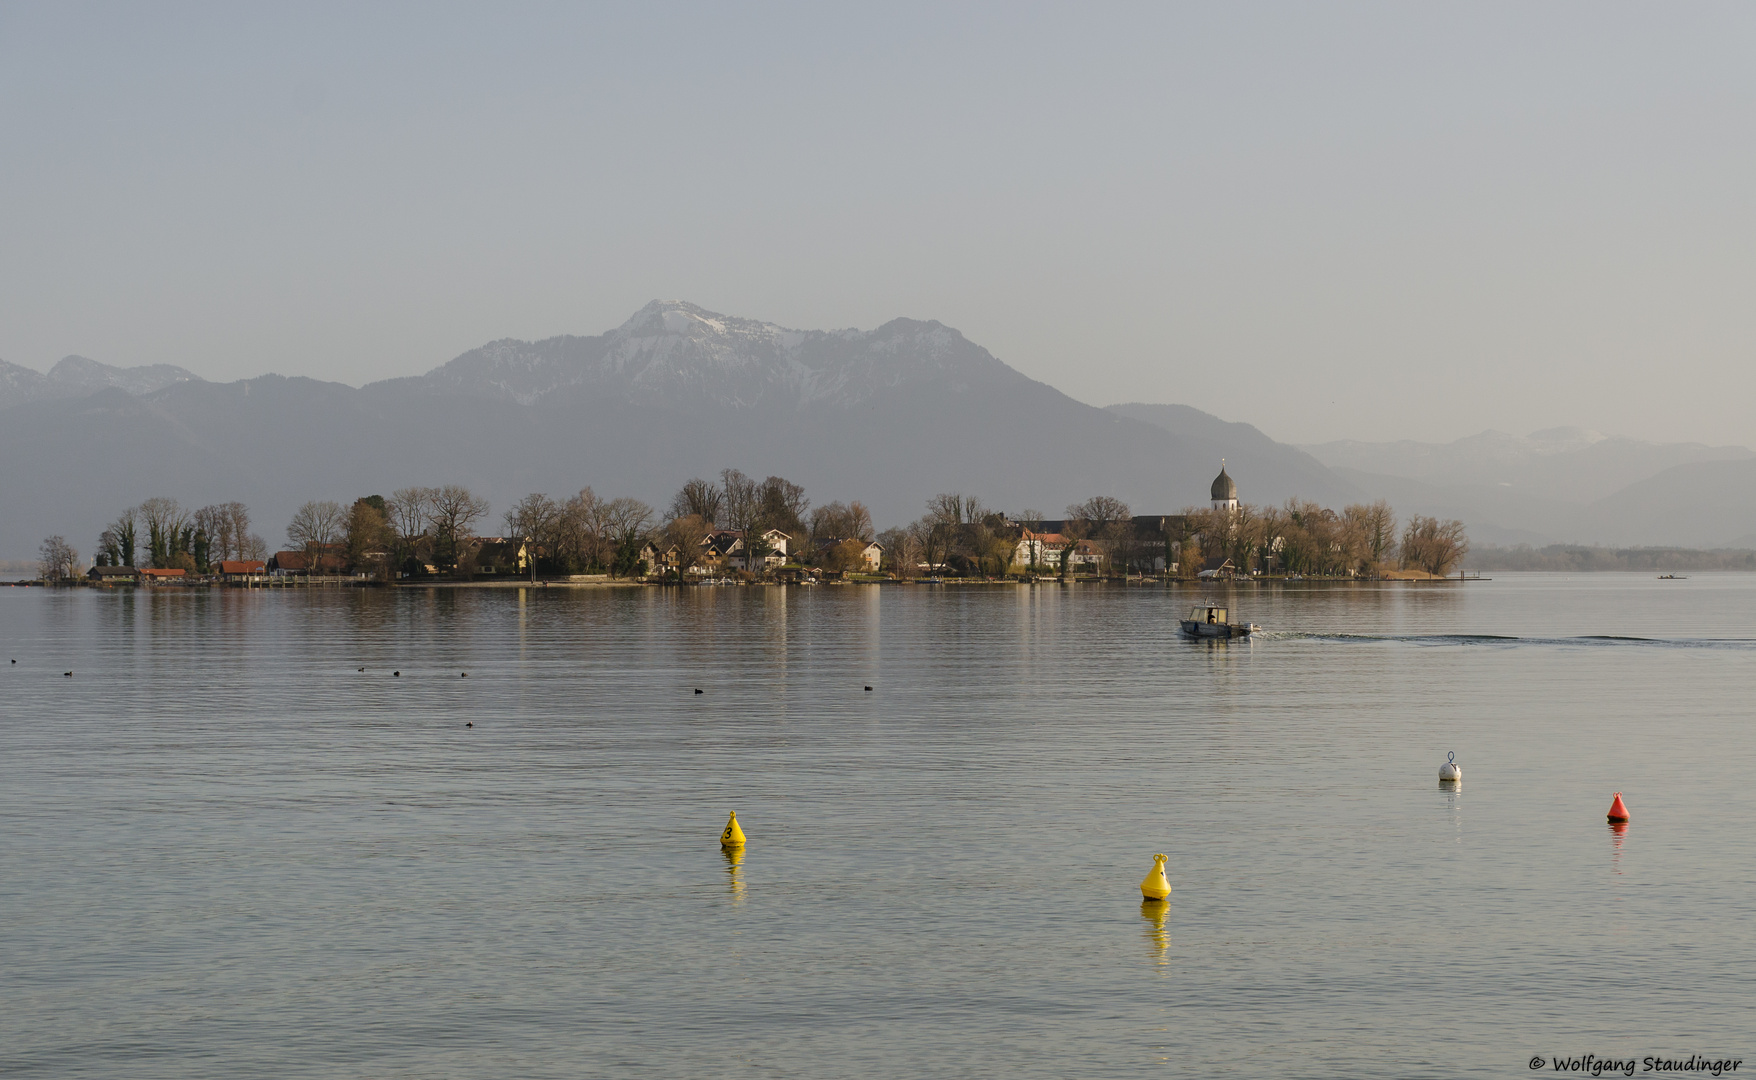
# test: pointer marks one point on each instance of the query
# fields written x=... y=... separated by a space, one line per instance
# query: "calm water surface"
x=225 y=851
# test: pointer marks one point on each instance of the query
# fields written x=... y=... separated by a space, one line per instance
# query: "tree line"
x=1302 y=537
x=1579 y=558
x=161 y=533
x=420 y=531
x=960 y=535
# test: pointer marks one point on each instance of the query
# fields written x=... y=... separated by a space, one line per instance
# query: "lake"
x=226 y=851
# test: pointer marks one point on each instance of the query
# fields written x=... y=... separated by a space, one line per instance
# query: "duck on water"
x=1209 y=621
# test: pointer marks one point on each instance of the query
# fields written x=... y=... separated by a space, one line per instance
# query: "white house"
x=1040 y=549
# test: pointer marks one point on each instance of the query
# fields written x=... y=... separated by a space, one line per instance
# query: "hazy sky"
x=1331 y=220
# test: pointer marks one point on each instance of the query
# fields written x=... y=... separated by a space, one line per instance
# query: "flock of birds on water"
x=398 y=675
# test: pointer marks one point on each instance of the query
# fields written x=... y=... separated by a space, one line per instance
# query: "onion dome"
x=1223 y=486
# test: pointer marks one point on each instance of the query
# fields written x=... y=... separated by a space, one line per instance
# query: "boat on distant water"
x=1209 y=621
x=1672 y=577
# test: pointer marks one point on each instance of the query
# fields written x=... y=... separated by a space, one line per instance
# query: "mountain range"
x=1562 y=485
x=889 y=416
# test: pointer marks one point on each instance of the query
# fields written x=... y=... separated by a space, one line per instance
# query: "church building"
x=1225 y=491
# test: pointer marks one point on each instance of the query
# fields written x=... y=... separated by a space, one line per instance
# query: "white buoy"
x=1451 y=770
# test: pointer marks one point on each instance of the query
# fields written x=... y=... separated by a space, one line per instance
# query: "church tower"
x=1225 y=492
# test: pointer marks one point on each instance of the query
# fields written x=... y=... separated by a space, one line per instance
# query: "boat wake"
x=1509 y=641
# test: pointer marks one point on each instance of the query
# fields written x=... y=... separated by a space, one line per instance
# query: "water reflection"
x=734 y=875
x=1618 y=832
x=1155 y=912
x=1452 y=790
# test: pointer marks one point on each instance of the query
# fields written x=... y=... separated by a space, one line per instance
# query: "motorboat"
x=1209 y=621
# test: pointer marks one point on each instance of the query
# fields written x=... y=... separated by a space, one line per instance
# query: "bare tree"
x=838 y=521
x=687 y=533
x=1243 y=536
x=1374 y=529
x=741 y=507
x=407 y=511
x=1102 y=518
x=929 y=538
x=56 y=559
x=578 y=532
x=699 y=498
x=626 y=522
x=534 y=519
x=902 y=550
x=953 y=508
x=451 y=511
x=227 y=528
x=1433 y=545
x=315 y=527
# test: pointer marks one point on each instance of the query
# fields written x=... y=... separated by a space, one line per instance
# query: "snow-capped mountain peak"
x=672 y=352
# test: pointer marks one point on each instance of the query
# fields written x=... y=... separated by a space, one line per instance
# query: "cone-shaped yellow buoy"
x=1155 y=887
x=733 y=836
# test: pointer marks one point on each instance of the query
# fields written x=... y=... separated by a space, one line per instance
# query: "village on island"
x=740 y=530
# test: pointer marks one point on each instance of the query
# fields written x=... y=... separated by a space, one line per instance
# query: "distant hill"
x=888 y=416
x=1273 y=471
x=75 y=376
x=1561 y=485
x=1709 y=504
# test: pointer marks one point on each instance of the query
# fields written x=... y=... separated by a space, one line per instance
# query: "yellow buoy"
x=733 y=836
x=1155 y=887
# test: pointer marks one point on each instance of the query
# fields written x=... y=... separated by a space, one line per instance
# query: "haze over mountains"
x=889 y=416
x=1563 y=485
x=75 y=376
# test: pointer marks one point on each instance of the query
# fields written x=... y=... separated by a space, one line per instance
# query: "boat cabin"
x=1203 y=613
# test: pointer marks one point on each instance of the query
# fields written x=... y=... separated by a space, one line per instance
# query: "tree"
x=781 y=504
x=838 y=521
x=625 y=525
x=314 y=528
x=368 y=537
x=1433 y=545
x=1031 y=521
x=698 y=498
x=1374 y=527
x=845 y=556
x=952 y=522
x=687 y=533
x=451 y=510
x=757 y=548
x=534 y=519
x=1102 y=518
x=1243 y=536
x=902 y=550
x=741 y=507
x=56 y=559
x=406 y=511
x=116 y=545
x=928 y=539
x=164 y=525
x=577 y=534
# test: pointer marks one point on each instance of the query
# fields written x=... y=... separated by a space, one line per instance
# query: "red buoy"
x=1618 y=812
